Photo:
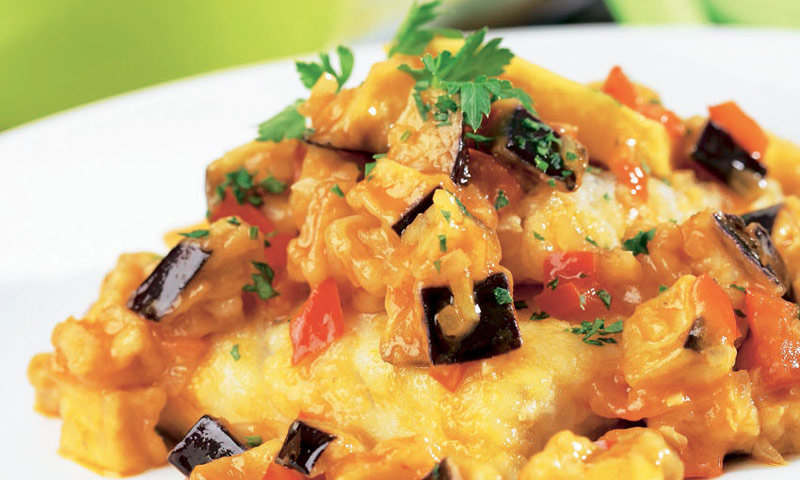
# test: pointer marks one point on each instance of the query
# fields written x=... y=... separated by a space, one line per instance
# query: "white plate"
x=85 y=185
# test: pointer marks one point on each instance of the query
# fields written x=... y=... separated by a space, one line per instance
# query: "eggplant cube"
x=537 y=148
x=156 y=296
x=722 y=157
x=461 y=174
x=207 y=440
x=302 y=447
x=495 y=333
x=408 y=218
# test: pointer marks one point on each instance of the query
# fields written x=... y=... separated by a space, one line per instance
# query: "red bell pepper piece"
x=569 y=265
x=229 y=207
x=774 y=342
x=624 y=91
x=318 y=323
x=450 y=376
x=747 y=133
x=276 y=252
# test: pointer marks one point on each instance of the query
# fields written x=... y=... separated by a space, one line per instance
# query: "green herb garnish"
x=338 y=191
x=502 y=296
x=288 y=123
x=253 y=232
x=662 y=288
x=591 y=240
x=552 y=284
x=253 y=441
x=234 y=221
x=273 y=185
x=501 y=200
x=540 y=316
x=597 y=329
x=195 y=234
x=605 y=297
x=311 y=71
x=443 y=243
x=537 y=236
x=520 y=304
x=412 y=37
x=638 y=244
x=737 y=287
x=235 y=352
x=262 y=282
x=368 y=168
x=438 y=265
x=446 y=215
x=405 y=136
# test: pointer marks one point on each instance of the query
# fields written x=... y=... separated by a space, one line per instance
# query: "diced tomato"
x=276 y=252
x=318 y=323
x=277 y=472
x=621 y=88
x=714 y=306
x=774 y=339
x=450 y=376
x=630 y=174
x=624 y=91
x=229 y=207
x=747 y=133
x=569 y=265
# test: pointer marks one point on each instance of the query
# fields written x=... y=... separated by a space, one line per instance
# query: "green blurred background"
x=56 y=54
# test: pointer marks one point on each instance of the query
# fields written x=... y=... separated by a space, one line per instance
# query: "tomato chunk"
x=276 y=252
x=450 y=376
x=714 y=306
x=229 y=207
x=774 y=339
x=569 y=265
x=747 y=133
x=318 y=323
x=621 y=88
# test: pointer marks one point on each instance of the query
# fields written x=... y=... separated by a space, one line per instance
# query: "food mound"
x=466 y=267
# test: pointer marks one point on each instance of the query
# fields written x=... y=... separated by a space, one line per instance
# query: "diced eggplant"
x=495 y=333
x=719 y=154
x=536 y=151
x=764 y=217
x=207 y=440
x=443 y=471
x=425 y=203
x=754 y=244
x=156 y=296
x=695 y=337
x=460 y=174
x=302 y=447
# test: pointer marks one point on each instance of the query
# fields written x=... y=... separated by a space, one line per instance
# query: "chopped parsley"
x=378 y=156
x=405 y=136
x=470 y=74
x=552 y=284
x=443 y=243
x=262 y=282
x=537 y=236
x=240 y=183
x=502 y=296
x=606 y=197
x=338 y=191
x=638 y=244
x=311 y=71
x=591 y=240
x=598 y=330
x=737 y=287
x=253 y=441
x=273 y=185
x=551 y=182
x=438 y=265
x=571 y=156
x=288 y=123
x=605 y=297
x=442 y=109
x=479 y=138
x=253 y=232
x=195 y=234
x=234 y=221
x=368 y=168
x=446 y=215
x=662 y=288
x=540 y=316
x=520 y=304
x=235 y=352
x=501 y=200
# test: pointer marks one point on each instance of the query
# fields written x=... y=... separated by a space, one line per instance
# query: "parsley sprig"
x=311 y=71
x=597 y=329
x=288 y=123
x=470 y=74
x=262 y=282
x=413 y=36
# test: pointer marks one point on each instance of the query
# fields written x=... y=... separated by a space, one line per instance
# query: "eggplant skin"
x=461 y=174
x=408 y=218
x=496 y=332
x=302 y=447
x=207 y=440
x=754 y=243
x=157 y=294
x=719 y=154
x=764 y=217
